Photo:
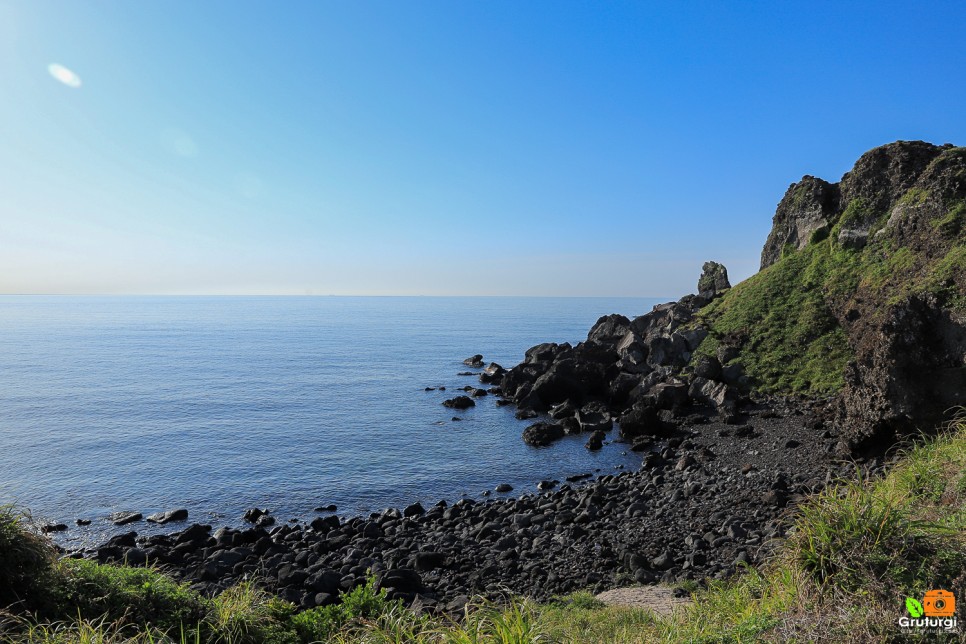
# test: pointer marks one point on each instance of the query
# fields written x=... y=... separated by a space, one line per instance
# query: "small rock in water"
x=53 y=527
x=460 y=402
x=596 y=441
x=180 y=514
x=124 y=518
x=327 y=508
x=504 y=487
x=547 y=485
x=474 y=361
x=254 y=514
x=83 y=521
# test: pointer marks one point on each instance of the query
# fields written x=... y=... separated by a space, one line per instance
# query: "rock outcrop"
x=633 y=371
x=805 y=211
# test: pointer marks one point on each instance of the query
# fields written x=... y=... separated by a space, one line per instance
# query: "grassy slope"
x=855 y=553
x=784 y=314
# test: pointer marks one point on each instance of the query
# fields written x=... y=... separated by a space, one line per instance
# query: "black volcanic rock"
x=460 y=402
x=542 y=434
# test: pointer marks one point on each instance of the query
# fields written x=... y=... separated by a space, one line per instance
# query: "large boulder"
x=609 y=329
x=542 y=434
x=641 y=420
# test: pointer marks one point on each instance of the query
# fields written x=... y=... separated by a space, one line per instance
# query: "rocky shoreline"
x=706 y=500
x=720 y=470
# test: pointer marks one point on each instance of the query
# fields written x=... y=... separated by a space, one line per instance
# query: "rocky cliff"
x=860 y=304
x=875 y=266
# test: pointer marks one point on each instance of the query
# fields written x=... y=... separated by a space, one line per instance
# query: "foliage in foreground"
x=855 y=552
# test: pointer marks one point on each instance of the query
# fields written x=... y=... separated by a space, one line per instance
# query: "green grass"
x=791 y=340
x=126 y=595
x=787 y=317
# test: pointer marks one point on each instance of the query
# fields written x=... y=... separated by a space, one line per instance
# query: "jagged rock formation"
x=634 y=371
x=804 y=211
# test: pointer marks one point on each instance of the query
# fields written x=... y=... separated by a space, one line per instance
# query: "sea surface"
x=219 y=404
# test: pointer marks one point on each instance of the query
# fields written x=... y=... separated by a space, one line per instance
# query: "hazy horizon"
x=439 y=149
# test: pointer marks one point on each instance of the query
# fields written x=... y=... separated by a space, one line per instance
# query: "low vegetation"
x=855 y=552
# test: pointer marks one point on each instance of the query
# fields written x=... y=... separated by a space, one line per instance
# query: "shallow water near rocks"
x=218 y=404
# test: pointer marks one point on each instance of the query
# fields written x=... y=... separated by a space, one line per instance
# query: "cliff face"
x=862 y=293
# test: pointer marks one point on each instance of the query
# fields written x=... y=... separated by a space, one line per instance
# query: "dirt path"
x=659 y=599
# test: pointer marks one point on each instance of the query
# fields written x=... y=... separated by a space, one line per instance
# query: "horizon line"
x=7 y=295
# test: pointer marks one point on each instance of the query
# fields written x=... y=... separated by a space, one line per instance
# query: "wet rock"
x=503 y=488
x=594 y=420
x=459 y=402
x=414 y=510
x=169 y=516
x=474 y=361
x=254 y=514
x=542 y=434
x=596 y=441
x=124 y=518
x=493 y=374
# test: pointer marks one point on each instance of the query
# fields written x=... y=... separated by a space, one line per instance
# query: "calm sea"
x=218 y=404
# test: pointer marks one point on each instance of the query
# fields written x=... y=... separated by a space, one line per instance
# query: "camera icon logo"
x=939 y=603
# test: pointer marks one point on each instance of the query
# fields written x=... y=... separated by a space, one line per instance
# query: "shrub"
x=26 y=562
x=126 y=595
x=363 y=602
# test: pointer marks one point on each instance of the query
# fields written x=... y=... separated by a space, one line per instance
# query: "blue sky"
x=440 y=148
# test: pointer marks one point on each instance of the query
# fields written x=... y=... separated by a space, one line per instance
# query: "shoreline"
x=703 y=503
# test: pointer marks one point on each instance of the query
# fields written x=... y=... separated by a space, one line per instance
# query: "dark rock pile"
x=636 y=372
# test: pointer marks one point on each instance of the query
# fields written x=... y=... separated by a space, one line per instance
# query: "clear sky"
x=440 y=148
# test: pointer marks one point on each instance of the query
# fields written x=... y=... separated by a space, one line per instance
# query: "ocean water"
x=219 y=404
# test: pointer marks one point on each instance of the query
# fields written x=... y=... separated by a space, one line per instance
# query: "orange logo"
x=939 y=603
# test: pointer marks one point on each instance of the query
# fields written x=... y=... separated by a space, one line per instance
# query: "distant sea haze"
x=219 y=404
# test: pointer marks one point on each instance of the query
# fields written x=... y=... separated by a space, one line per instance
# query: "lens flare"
x=64 y=75
x=179 y=143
